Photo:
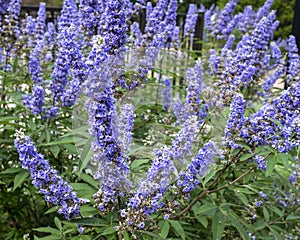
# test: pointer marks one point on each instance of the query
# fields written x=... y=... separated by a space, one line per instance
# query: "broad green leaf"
x=126 y=236
x=209 y=176
x=203 y=220
x=236 y=223
x=259 y=225
x=271 y=162
x=88 y=210
x=266 y=214
x=155 y=236
x=165 y=229
x=264 y=150
x=51 y=210
x=11 y=171
x=276 y=210
x=88 y=179
x=58 y=223
x=205 y=208
x=7 y=119
x=242 y=197
x=20 y=178
x=275 y=234
x=70 y=147
x=86 y=155
x=108 y=231
x=59 y=142
x=90 y=222
x=178 y=228
x=246 y=156
x=55 y=150
x=218 y=225
x=50 y=237
x=48 y=230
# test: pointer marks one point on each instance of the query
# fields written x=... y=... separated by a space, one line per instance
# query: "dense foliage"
x=111 y=129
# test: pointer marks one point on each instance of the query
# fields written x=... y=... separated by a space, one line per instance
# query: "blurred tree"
x=284 y=8
x=296 y=23
x=48 y=2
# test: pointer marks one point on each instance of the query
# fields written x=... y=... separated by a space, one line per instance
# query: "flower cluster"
x=200 y=164
x=225 y=17
x=167 y=94
x=56 y=190
x=3 y=6
x=276 y=123
x=191 y=20
x=293 y=59
x=235 y=121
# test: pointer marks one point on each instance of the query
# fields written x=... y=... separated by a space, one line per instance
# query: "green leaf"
x=218 y=225
x=209 y=176
x=48 y=230
x=243 y=198
x=88 y=210
x=259 y=225
x=203 y=220
x=48 y=135
x=266 y=214
x=51 y=210
x=108 y=231
x=11 y=171
x=264 y=150
x=86 y=155
x=50 y=237
x=178 y=228
x=126 y=236
x=58 y=223
x=55 y=150
x=90 y=222
x=32 y=125
x=7 y=119
x=155 y=236
x=165 y=229
x=70 y=147
x=275 y=234
x=236 y=223
x=59 y=142
x=87 y=178
x=271 y=162
x=20 y=178
x=246 y=156
x=205 y=208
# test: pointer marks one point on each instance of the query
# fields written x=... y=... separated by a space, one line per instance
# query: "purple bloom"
x=167 y=94
x=273 y=123
x=35 y=102
x=264 y=10
x=156 y=15
x=41 y=21
x=4 y=6
x=235 y=120
x=261 y=162
x=293 y=59
x=190 y=21
x=125 y=126
x=50 y=184
x=225 y=16
x=200 y=164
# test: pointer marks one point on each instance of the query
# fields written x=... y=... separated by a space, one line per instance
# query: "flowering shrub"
x=104 y=133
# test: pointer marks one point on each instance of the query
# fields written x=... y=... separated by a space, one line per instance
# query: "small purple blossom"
x=50 y=184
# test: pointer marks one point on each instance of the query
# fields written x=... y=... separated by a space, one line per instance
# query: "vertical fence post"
x=198 y=37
